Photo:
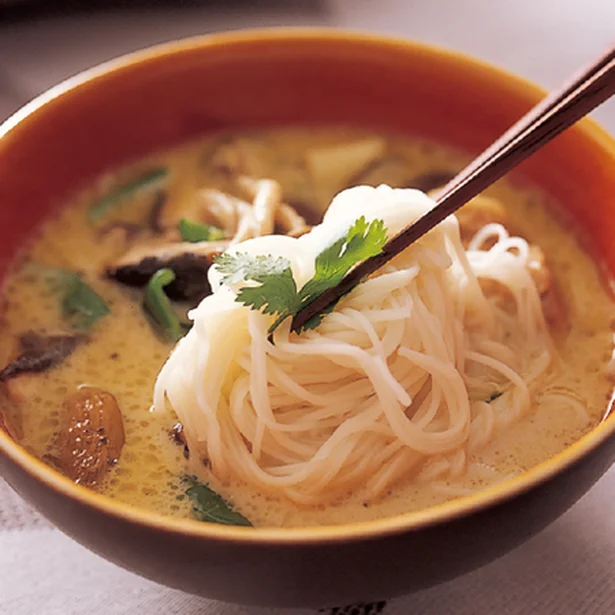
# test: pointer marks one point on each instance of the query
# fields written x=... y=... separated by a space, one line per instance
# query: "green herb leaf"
x=239 y=267
x=315 y=320
x=81 y=305
x=362 y=241
x=149 y=179
x=494 y=396
x=209 y=506
x=194 y=232
x=159 y=306
x=277 y=292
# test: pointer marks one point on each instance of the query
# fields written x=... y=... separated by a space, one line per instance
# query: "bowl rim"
x=349 y=532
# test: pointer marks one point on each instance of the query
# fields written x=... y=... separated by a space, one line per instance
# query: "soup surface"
x=119 y=347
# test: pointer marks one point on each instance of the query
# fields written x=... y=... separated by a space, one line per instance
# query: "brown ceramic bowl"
x=160 y=97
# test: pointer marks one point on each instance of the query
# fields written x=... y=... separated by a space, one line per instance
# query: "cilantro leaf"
x=362 y=241
x=315 y=321
x=242 y=266
x=277 y=292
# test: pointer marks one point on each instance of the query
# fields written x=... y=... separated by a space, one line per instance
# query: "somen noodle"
x=409 y=394
x=414 y=370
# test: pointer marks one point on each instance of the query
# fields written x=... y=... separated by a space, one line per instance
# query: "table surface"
x=566 y=569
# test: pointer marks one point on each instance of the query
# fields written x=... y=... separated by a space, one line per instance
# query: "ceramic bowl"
x=160 y=97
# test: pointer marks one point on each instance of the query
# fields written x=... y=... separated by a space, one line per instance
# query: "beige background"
x=569 y=567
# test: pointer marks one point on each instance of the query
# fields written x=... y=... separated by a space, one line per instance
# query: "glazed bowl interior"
x=159 y=98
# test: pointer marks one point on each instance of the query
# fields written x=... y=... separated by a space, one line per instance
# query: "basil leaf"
x=81 y=305
x=208 y=506
x=151 y=178
x=159 y=306
x=194 y=232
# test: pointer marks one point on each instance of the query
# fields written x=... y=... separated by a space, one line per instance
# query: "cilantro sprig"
x=277 y=291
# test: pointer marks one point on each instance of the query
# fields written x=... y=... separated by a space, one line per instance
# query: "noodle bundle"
x=414 y=370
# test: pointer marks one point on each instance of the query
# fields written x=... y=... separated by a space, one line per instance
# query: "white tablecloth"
x=569 y=568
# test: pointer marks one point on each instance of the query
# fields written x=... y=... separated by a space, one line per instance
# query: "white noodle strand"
x=397 y=380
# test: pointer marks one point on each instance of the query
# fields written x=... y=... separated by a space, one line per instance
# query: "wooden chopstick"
x=547 y=104
x=556 y=112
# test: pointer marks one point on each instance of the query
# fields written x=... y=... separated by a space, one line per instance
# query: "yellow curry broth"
x=125 y=352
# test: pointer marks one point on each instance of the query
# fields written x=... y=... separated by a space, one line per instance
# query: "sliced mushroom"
x=39 y=352
x=266 y=197
x=221 y=209
x=19 y=381
x=189 y=261
x=237 y=217
x=92 y=436
x=266 y=201
x=268 y=206
x=289 y=222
